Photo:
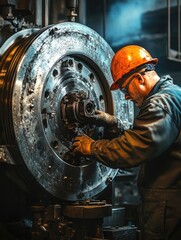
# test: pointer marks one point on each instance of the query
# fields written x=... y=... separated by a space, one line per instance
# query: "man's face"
x=133 y=89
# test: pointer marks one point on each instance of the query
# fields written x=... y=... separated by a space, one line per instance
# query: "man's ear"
x=140 y=79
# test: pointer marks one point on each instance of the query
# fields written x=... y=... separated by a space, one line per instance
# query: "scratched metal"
x=62 y=58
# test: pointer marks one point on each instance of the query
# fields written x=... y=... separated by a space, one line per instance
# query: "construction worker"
x=154 y=141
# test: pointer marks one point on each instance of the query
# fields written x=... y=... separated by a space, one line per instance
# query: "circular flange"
x=59 y=60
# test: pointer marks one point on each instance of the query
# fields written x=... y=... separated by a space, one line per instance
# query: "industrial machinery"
x=52 y=79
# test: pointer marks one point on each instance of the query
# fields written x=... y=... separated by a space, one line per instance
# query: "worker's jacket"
x=154 y=142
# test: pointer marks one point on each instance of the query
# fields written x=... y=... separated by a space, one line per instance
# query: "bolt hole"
x=47 y=94
x=91 y=76
x=70 y=62
x=55 y=144
x=101 y=99
x=80 y=67
x=55 y=73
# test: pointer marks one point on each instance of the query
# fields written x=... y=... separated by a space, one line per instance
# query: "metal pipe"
x=104 y=18
x=169 y=33
x=179 y=31
x=46 y=12
x=39 y=13
x=174 y=54
x=82 y=11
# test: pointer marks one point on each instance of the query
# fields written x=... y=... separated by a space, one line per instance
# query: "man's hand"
x=82 y=145
x=105 y=119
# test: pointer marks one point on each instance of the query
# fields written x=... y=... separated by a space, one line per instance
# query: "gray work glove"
x=114 y=126
x=105 y=119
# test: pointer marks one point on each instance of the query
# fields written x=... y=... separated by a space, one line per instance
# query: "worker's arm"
x=145 y=141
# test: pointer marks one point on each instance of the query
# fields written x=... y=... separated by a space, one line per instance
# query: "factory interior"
x=55 y=58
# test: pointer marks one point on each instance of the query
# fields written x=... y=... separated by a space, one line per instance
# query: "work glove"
x=112 y=123
x=105 y=119
x=82 y=145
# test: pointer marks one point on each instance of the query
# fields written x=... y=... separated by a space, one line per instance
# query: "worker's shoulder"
x=168 y=98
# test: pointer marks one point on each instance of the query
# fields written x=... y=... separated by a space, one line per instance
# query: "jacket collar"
x=164 y=81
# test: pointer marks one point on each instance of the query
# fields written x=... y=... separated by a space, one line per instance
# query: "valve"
x=71 y=6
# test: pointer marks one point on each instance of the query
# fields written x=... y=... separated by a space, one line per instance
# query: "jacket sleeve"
x=153 y=132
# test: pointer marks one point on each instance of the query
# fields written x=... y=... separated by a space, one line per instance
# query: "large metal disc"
x=51 y=70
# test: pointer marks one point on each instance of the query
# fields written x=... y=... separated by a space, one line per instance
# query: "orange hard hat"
x=127 y=61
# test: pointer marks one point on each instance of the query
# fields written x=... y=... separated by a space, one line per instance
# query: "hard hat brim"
x=115 y=85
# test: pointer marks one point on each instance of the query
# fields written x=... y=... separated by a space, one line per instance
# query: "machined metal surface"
x=45 y=76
